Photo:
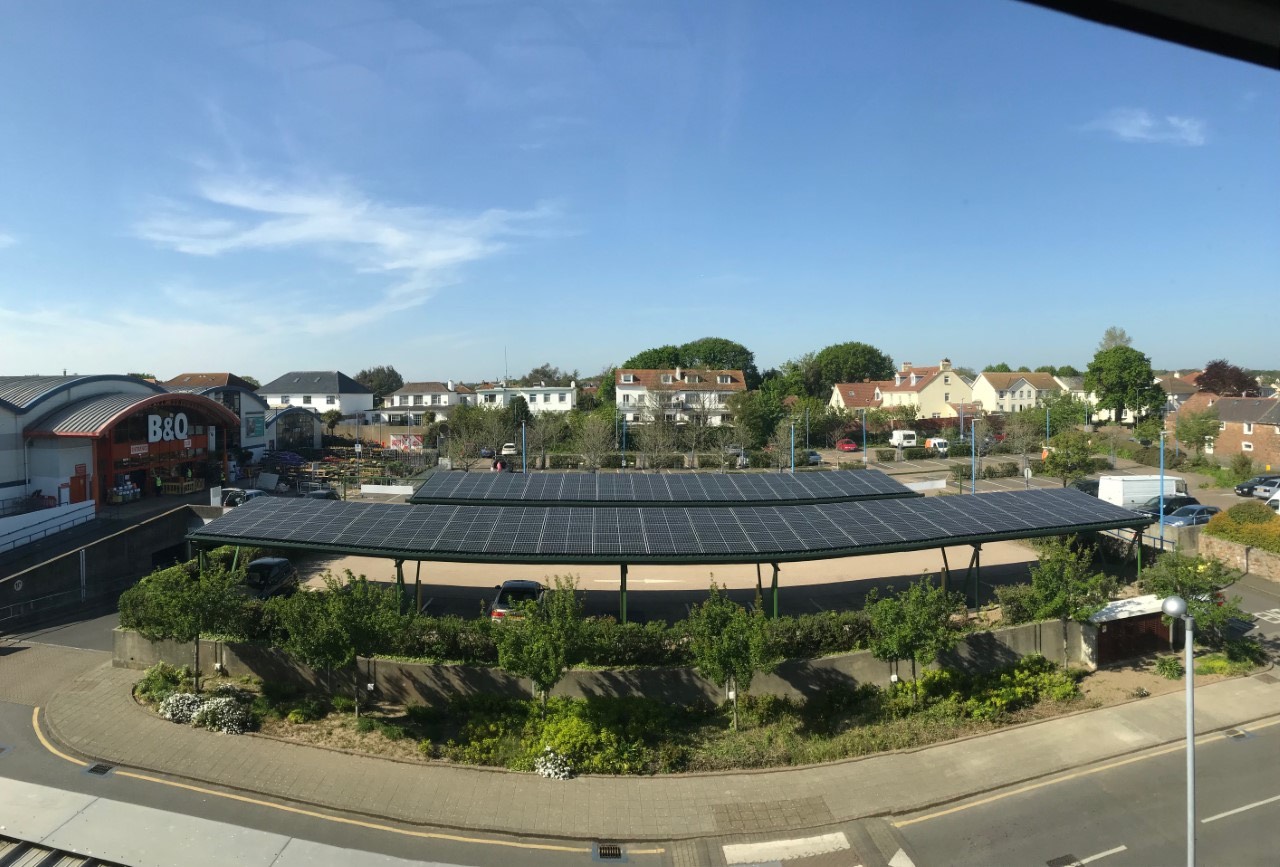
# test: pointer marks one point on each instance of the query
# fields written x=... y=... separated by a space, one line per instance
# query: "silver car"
x=1190 y=516
x=1264 y=490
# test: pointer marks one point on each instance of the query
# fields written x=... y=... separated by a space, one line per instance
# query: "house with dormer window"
x=408 y=404
x=679 y=395
x=935 y=392
x=1013 y=392
x=318 y=391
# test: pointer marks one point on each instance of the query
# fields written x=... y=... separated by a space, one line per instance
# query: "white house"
x=1011 y=392
x=415 y=399
x=319 y=391
x=540 y=397
x=935 y=392
x=678 y=395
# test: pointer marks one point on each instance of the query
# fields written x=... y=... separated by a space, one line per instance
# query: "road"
x=1129 y=812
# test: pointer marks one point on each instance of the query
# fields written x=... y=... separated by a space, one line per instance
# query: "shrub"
x=366 y=724
x=1250 y=523
x=1018 y=603
x=917 y=453
x=180 y=707
x=1170 y=667
x=605 y=642
x=886 y=456
x=564 y=462
x=343 y=703
x=552 y=765
x=224 y=715
x=1221 y=663
x=161 y=680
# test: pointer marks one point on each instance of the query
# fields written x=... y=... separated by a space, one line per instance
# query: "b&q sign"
x=166 y=428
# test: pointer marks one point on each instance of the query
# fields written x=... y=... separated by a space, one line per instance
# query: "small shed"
x=1130 y=627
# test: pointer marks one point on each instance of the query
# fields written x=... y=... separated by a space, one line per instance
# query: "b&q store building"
x=69 y=439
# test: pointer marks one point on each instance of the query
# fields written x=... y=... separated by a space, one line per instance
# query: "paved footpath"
x=95 y=716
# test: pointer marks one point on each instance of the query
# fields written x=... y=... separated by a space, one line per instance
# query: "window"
x=1248 y=427
x=1222 y=425
x=284 y=398
x=666 y=379
x=937 y=415
x=306 y=398
x=1002 y=395
x=330 y=400
x=946 y=380
x=563 y=396
x=627 y=377
x=626 y=398
x=724 y=379
x=417 y=400
x=435 y=400
x=671 y=416
x=1246 y=447
x=490 y=398
x=946 y=397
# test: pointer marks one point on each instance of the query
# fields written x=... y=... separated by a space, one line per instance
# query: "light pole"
x=1046 y=424
x=806 y=428
x=864 y=438
x=1176 y=607
x=1162 y=491
x=793 y=447
x=524 y=447
x=624 y=441
x=973 y=454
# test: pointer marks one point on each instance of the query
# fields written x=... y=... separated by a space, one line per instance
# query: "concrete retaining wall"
x=418 y=683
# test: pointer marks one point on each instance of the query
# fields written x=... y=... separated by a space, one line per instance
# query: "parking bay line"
x=1240 y=809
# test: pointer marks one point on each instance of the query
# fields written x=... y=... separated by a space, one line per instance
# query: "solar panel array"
x=633 y=488
x=631 y=534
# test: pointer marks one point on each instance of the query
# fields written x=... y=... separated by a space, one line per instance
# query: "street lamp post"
x=864 y=438
x=793 y=447
x=973 y=454
x=806 y=428
x=624 y=441
x=1176 y=607
x=1161 y=491
x=524 y=447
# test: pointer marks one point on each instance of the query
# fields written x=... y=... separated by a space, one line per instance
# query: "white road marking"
x=1093 y=858
x=781 y=850
x=901 y=859
x=1241 y=809
x=1271 y=615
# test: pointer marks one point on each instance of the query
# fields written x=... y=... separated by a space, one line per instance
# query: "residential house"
x=1246 y=425
x=540 y=397
x=1178 y=390
x=235 y=394
x=319 y=391
x=696 y=395
x=1012 y=392
x=935 y=392
x=408 y=404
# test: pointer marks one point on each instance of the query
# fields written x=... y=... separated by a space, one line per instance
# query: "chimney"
x=945 y=364
x=679 y=374
x=906 y=366
x=449 y=385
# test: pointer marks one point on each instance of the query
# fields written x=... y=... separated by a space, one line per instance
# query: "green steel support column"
x=417 y=589
x=775 y=589
x=977 y=573
x=203 y=564
x=1138 y=537
x=236 y=559
x=400 y=585
x=622 y=596
x=946 y=570
x=759 y=585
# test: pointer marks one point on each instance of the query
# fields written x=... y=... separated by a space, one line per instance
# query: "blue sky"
x=264 y=187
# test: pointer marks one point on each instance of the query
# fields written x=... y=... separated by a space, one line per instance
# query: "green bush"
x=1002 y=470
x=162 y=680
x=1018 y=603
x=564 y=462
x=607 y=643
x=1252 y=523
x=886 y=456
x=343 y=703
x=366 y=724
x=1222 y=663
x=917 y=453
x=813 y=635
x=1170 y=667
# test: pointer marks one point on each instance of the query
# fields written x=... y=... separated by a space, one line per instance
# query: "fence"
x=37 y=525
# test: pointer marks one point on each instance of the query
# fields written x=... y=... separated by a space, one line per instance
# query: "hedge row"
x=1251 y=524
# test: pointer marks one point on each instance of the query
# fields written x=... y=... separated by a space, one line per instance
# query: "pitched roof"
x=207 y=380
x=1177 y=385
x=653 y=379
x=325 y=381
x=1257 y=410
x=432 y=388
x=858 y=394
x=1002 y=381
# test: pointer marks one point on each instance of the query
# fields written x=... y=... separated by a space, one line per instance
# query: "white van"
x=903 y=438
x=1130 y=492
x=1274 y=502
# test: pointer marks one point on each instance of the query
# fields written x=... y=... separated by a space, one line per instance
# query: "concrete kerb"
x=902 y=808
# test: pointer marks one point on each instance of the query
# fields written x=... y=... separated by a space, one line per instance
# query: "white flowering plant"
x=552 y=765
x=180 y=707
x=223 y=714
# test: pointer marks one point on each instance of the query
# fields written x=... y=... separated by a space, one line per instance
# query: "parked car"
x=848 y=446
x=486 y=452
x=510 y=449
x=1189 y=516
x=813 y=458
x=322 y=494
x=1171 y=504
x=1247 y=488
x=240 y=496
x=270 y=576
x=1087 y=486
x=1265 y=490
x=511 y=595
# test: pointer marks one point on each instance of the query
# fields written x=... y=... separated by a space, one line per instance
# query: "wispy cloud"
x=7 y=240
x=1140 y=125
x=419 y=249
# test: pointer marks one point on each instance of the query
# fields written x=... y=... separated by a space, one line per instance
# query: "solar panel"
x=716 y=489
x=638 y=534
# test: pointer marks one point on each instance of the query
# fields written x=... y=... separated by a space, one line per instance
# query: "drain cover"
x=1236 y=734
x=98 y=770
x=608 y=852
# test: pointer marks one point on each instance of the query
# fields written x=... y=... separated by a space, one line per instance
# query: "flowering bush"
x=222 y=714
x=552 y=765
x=180 y=707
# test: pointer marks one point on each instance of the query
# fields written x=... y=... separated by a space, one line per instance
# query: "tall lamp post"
x=1162 y=491
x=973 y=454
x=1176 y=607
x=793 y=447
x=864 y=438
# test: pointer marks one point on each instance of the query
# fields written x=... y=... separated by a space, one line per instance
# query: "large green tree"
x=545 y=639
x=915 y=624
x=849 y=362
x=548 y=374
x=1197 y=429
x=1199 y=581
x=1070 y=457
x=381 y=380
x=718 y=353
x=1114 y=336
x=755 y=415
x=1122 y=378
x=658 y=358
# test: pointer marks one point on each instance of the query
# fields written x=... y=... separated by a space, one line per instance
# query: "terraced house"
x=677 y=395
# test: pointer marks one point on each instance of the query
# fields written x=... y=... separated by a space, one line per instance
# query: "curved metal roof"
x=22 y=393
x=93 y=415
x=663 y=534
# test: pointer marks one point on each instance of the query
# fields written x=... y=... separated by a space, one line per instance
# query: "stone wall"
x=419 y=683
x=1253 y=561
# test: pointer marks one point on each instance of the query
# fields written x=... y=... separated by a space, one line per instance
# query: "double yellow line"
x=373 y=826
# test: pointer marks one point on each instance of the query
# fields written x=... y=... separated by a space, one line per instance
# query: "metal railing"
x=27 y=535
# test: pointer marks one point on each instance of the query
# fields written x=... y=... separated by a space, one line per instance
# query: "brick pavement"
x=94 y=715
